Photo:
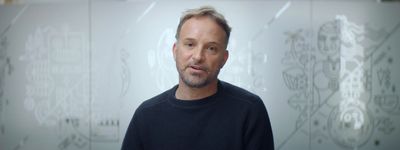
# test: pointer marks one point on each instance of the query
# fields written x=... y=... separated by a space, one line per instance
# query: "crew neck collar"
x=196 y=102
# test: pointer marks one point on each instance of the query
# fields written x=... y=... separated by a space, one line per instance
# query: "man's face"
x=200 y=51
x=329 y=42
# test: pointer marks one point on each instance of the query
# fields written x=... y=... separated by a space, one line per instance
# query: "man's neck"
x=185 y=92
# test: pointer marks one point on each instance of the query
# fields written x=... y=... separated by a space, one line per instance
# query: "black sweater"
x=231 y=119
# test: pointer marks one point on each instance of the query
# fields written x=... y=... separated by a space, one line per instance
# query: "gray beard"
x=200 y=84
x=191 y=84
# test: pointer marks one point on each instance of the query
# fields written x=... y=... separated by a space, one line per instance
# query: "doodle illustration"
x=333 y=85
x=161 y=60
x=58 y=81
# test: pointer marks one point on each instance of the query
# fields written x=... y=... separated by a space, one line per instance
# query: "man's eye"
x=189 y=44
x=212 y=48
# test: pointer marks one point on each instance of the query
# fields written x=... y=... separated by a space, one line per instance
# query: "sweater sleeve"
x=132 y=139
x=258 y=132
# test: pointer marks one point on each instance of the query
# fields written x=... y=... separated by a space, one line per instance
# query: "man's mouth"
x=197 y=68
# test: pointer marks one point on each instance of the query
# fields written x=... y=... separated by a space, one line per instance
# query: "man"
x=201 y=112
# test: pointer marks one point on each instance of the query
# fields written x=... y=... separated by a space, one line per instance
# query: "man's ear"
x=226 y=56
x=174 y=50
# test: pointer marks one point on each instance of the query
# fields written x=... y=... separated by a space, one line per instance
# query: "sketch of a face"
x=299 y=44
x=329 y=38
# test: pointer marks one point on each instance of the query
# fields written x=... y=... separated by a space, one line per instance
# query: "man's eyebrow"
x=188 y=39
x=208 y=43
x=213 y=43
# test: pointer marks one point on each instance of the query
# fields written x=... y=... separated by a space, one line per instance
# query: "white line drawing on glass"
x=385 y=101
x=358 y=118
x=295 y=78
x=384 y=77
x=57 y=77
x=299 y=78
x=124 y=52
x=350 y=125
x=390 y=103
x=386 y=125
x=73 y=133
x=105 y=128
x=258 y=56
x=57 y=73
x=161 y=60
x=104 y=124
x=125 y=72
x=237 y=64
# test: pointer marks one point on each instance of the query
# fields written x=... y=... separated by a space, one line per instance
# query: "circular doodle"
x=350 y=127
x=161 y=60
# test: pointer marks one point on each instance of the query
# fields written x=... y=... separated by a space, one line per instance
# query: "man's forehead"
x=197 y=21
x=200 y=25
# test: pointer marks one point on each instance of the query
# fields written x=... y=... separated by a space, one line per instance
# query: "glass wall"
x=72 y=73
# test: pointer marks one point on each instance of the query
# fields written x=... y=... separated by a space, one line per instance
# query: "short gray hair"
x=205 y=11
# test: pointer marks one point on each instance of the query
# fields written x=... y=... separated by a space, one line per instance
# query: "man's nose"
x=198 y=54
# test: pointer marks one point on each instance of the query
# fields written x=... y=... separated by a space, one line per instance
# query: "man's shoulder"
x=156 y=100
x=240 y=94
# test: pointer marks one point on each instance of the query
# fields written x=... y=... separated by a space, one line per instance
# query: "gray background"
x=73 y=72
